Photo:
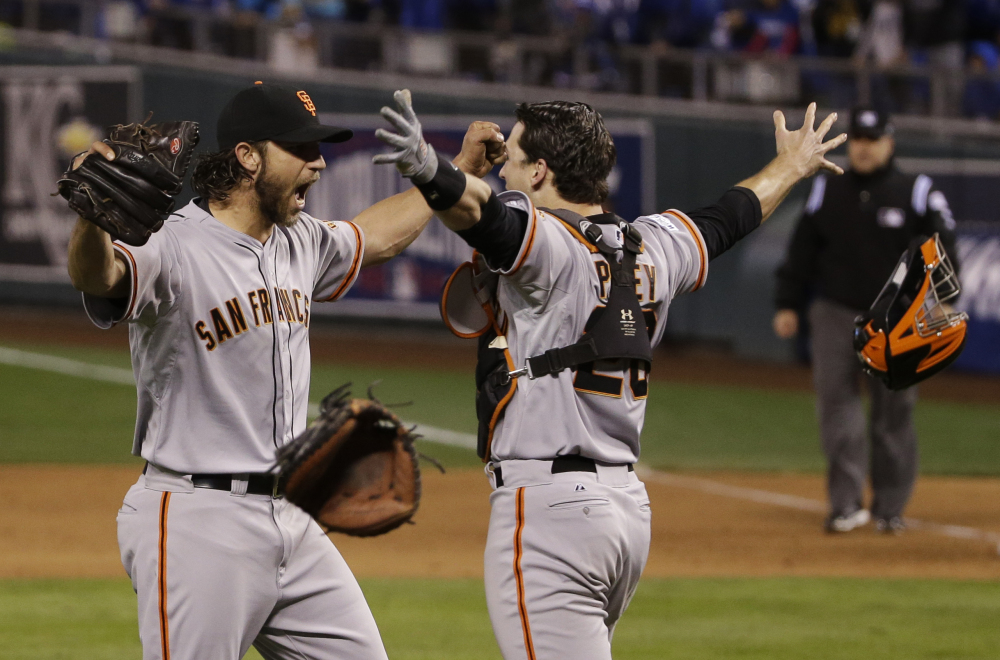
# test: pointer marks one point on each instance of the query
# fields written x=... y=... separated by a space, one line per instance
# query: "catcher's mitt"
x=130 y=197
x=354 y=469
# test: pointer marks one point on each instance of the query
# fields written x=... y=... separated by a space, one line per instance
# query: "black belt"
x=257 y=484
x=568 y=463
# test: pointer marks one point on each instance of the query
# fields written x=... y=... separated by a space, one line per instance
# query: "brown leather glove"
x=354 y=469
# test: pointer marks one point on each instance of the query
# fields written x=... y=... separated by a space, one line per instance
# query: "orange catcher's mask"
x=911 y=333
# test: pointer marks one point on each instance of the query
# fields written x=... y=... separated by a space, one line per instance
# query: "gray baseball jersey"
x=557 y=280
x=219 y=332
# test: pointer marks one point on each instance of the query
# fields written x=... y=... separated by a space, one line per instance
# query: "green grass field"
x=54 y=418
x=49 y=417
x=775 y=619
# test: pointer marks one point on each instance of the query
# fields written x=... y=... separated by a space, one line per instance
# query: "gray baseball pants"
x=837 y=376
x=563 y=558
x=216 y=571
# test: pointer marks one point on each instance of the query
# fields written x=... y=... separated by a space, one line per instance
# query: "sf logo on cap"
x=307 y=102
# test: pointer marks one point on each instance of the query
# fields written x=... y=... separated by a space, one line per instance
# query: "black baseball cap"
x=274 y=112
x=867 y=122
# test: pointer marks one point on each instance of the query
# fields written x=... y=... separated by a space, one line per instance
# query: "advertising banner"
x=409 y=286
x=979 y=254
x=47 y=115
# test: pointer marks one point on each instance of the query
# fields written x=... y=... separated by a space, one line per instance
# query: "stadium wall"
x=698 y=150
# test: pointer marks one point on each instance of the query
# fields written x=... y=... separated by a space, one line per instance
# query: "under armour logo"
x=627 y=315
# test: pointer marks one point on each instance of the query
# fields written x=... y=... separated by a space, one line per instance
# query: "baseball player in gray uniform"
x=571 y=299
x=219 y=304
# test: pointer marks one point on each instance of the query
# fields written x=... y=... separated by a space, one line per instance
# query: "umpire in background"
x=851 y=235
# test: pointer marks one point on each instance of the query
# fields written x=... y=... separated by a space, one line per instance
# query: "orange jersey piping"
x=686 y=221
x=352 y=273
x=135 y=280
x=522 y=606
x=162 y=578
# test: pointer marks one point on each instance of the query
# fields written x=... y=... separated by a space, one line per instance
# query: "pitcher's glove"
x=130 y=197
x=354 y=469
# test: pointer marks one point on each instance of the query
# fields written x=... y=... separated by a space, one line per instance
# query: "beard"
x=273 y=200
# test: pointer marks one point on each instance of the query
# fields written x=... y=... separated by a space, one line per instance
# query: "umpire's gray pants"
x=837 y=377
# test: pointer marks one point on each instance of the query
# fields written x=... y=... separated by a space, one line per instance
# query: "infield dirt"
x=59 y=521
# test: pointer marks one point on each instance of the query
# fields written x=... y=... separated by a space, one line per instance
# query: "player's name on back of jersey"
x=289 y=306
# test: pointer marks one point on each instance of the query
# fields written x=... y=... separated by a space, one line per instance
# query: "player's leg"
x=836 y=375
x=638 y=518
x=560 y=566
x=321 y=613
x=202 y=564
x=894 y=449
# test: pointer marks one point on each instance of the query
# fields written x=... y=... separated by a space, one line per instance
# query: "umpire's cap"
x=274 y=112
x=868 y=122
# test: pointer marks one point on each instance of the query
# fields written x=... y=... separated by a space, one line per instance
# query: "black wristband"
x=445 y=189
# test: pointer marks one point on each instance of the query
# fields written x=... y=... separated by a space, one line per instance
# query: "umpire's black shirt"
x=853 y=232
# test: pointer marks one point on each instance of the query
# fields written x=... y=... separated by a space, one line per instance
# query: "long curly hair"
x=217 y=174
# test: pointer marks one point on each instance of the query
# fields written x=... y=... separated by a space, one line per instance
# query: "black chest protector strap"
x=618 y=329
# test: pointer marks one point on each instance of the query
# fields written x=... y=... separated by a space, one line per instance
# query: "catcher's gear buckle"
x=523 y=371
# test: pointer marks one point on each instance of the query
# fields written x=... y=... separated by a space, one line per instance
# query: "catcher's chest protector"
x=616 y=330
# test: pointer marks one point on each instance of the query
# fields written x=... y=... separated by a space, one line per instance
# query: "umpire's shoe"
x=848 y=522
x=894 y=525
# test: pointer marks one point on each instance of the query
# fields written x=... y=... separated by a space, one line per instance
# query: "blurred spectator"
x=836 y=27
x=529 y=17
x=933 y=31
x=983 y=20
x=293 y=44
x=770 y=26
x=422 y=14
x=982 y=93
x=676 y=23
x=475 y=15
x=881 y=41
x=119 y=20
x=168 y=26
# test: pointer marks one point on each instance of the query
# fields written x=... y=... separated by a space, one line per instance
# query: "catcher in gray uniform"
x=567 y=302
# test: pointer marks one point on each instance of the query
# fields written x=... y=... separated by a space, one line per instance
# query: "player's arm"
x=801 y=154
x=744 y=207
x=391 y=225
x=464 y=203
x=93 y=266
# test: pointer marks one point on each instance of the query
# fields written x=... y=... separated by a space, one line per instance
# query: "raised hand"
x=483 y=147
x=804 y=150
x=413 y=157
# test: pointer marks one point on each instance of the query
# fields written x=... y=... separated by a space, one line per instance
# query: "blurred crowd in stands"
x=952 y=35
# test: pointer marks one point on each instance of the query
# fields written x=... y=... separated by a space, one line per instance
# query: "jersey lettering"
x=603 y=278
x=588 y=382
x=638 y=380
x=265 y=306
x=650 y=271
x=222 y=330
x=205 y=335
x=236 y=315
x=252 y=297
x=296 y=297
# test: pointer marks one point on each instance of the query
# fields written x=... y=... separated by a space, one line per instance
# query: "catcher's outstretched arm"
x=801 y=154
x=92 y=264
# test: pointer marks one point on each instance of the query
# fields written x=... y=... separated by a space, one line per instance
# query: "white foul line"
x=43 y=362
